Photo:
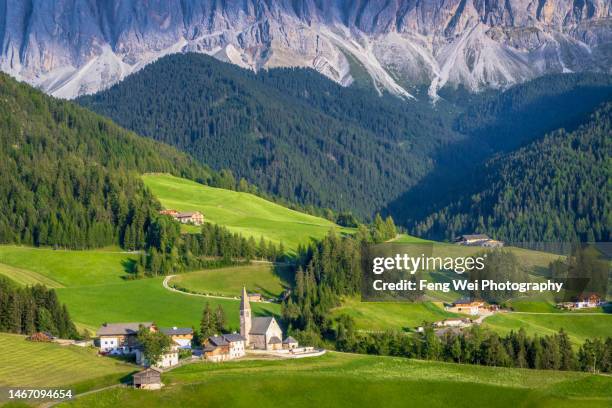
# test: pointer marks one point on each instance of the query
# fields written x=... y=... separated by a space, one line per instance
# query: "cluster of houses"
x=583 y=302
x=481 y=240
x=256 y=333
x=188 y=217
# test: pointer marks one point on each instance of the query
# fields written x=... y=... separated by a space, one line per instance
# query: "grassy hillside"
x=56 y=268
x=344 y=380
x=579 y=326
x=146 y=300
x=240 y=212
x=390 y=315
x=29 y=364
x=266 y=279
x=92 y=285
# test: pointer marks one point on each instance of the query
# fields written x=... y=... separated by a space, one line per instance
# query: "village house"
x=149 y=379
x=168 y=359
x=121 y=338
x=261 y=333
x=255 y=297
x=481 y=240
x=224 y=347
x=180 y=335
x=466 y=306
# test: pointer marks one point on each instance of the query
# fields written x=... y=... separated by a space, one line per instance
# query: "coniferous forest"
x=299 y=136
x=71 y=177
x=553 y=190
x=33 y=309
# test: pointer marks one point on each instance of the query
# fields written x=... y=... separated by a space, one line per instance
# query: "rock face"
x=73 y=47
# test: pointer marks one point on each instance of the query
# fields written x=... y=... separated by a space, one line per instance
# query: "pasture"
x=30 y=364
x=57 y=268
x=380 y=316
x=264 y=278
x=146 y=300
x=240 y=212
x=346 y=380
x=579 y=326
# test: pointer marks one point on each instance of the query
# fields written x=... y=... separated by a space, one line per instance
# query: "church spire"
x=244 y=300
x=245 y=316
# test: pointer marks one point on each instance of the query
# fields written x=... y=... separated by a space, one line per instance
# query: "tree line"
x=170 y=251
x=325 y=271
x=33 y=309
x=481 y=347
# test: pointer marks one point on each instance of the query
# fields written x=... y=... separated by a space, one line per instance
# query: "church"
x=261 y=333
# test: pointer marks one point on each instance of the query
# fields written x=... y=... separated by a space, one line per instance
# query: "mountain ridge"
x=80 y=47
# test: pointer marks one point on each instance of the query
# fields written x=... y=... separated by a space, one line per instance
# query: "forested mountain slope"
x=552 y=190
x=291 y=132
x=69 y=176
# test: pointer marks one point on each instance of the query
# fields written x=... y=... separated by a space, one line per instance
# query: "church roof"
x=259 y=325
x=289 y=340
x=233 y=337
x=274 y=340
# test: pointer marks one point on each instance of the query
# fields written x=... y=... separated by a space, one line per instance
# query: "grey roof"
x=233 y=337
x=274 y=340
x=289 y=340
x=109 y=329
x=218 y=340
x=187 y=214
x=148 y=376
x=259 y=325
x=176 y=331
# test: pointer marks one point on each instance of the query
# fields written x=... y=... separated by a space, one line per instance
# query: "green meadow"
x=346 y=380
x=146 y=300
x=264 y=278
x=380 y=316
x=30 y=364
x=579 y=326
x=57 y=268
x=240 y=212
x=93 y=286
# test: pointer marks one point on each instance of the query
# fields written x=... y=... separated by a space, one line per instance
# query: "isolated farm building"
x=190 y=217
x=466 y=306
x=482 y=240
x=224 y=347
x=149 y=379
x=255 y=297
x=180 y=335
x=453 y=322
x=121 y=338
x=290 y=343
x=262 y=333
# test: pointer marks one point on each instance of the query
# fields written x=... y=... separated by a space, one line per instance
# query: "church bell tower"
x=245 y=316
